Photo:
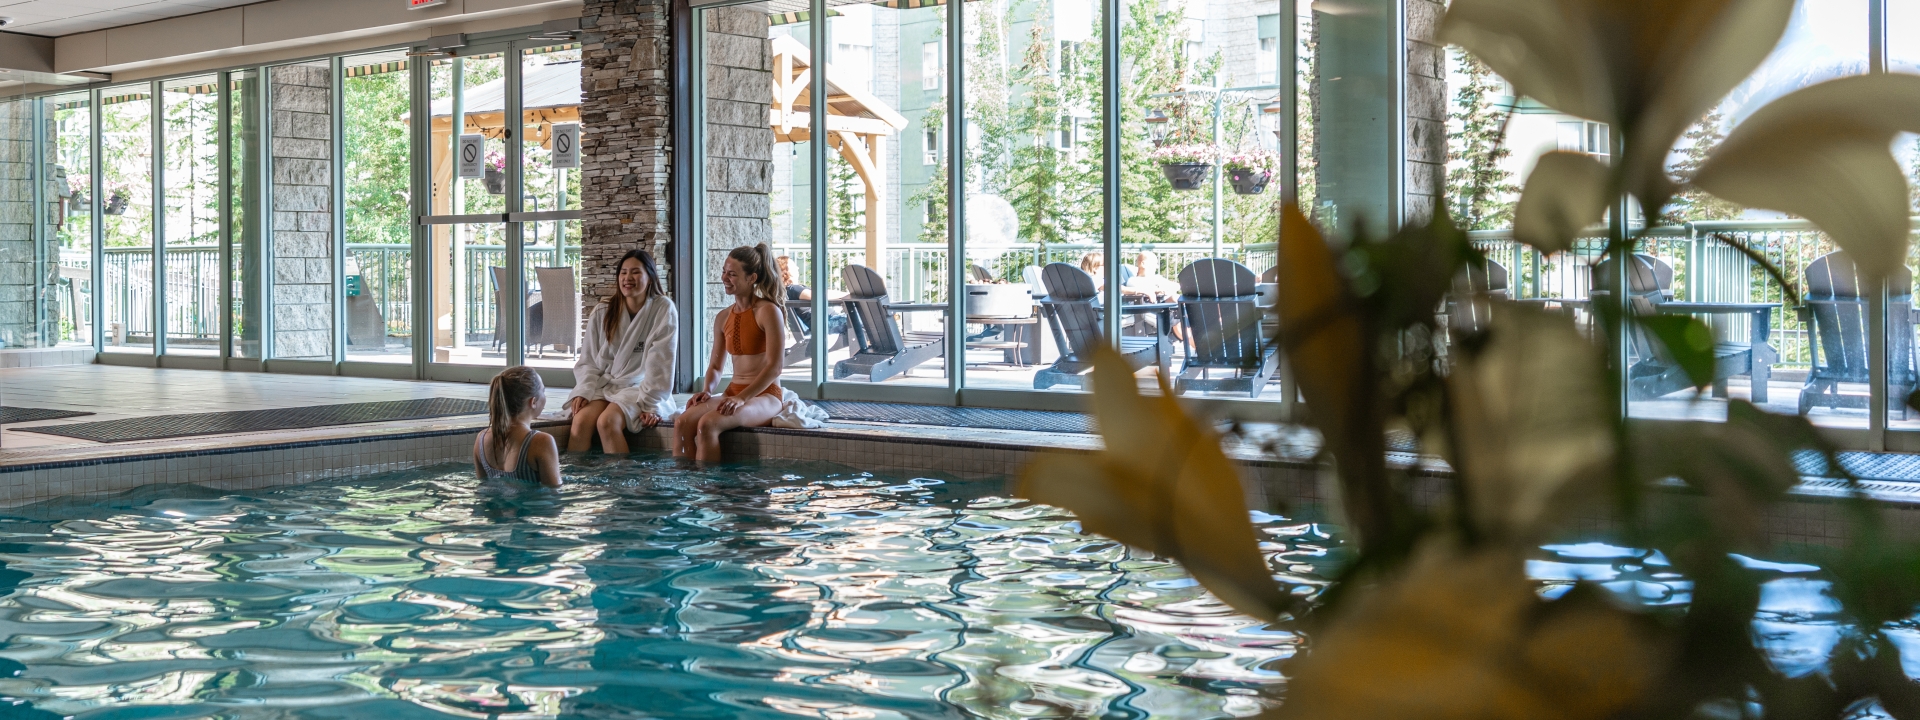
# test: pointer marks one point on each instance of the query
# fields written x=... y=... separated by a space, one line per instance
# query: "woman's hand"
x=575 y=405
x=731 y=404
x=648 y=420
x=698 y=398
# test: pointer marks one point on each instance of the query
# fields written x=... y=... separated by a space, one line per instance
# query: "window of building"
x=930 y=66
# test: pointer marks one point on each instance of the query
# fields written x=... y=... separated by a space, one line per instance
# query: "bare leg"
x=755 y=413
x=580 y=437
x=687 y=426
x=613 y=431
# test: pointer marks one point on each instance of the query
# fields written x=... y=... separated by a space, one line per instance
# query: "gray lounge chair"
x=1836 y=310
x=1217 y=297
x=802 y=348
x=1654 y=372
x=559 y=310
x=1073 y=310
x=882 y=350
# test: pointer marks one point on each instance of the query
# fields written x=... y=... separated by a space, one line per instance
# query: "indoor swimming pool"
x=643 y=589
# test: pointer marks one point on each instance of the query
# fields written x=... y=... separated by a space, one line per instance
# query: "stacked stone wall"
x=18 y=309
x=303 y=263
x=739 y=149
x=1426 y=111
x=625 y=145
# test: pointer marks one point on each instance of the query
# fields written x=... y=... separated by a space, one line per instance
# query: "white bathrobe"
x=634 y=372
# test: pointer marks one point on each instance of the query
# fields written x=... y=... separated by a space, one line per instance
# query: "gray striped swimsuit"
x=523 y=469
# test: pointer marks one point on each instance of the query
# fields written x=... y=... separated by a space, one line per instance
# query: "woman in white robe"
x=623 y=381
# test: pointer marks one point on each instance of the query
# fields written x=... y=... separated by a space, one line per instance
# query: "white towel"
x=796 y=413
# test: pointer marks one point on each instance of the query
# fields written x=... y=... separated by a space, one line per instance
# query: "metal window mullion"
x=98 y=235
x=956 y=326
x=690 y=279
x=264 y=283
x=337 y=108
x=37 y=183
x=223 y=136
x=1110 y=165
x=420 y=165
x=512 y=123
x=817 y=184
x=1877 y=400
x=156 y=111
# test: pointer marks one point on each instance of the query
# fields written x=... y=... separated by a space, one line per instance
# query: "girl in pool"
x=623 y=381
x=510 y=447
x=749 y=331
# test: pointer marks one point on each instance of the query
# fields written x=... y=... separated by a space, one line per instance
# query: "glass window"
x=301 y=152
x=376 y=91
x=550 y=178
x=469 y=259
x=246 y=251
x=127 y=217
x=190 y=114
x=69 y=219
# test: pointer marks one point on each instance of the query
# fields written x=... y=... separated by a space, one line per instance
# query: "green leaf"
x=1823 y=153
x=1688 y=340
x=1566 y=192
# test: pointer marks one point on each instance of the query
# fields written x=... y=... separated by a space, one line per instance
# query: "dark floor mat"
x=20 y=414
x=218 y=423
x=1030 y=420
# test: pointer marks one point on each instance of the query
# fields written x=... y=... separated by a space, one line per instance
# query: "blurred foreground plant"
x=1435 y=617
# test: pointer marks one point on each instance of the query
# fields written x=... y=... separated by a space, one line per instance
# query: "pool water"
x=642 y=590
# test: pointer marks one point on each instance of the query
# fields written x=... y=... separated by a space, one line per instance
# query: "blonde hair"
x=1092 y=260
x=785 y=263
x=510 y=391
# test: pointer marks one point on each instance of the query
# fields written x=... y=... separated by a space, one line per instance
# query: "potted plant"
x=116 y=202
x=1250 y=170
x=1185 y=165
x=496 y=178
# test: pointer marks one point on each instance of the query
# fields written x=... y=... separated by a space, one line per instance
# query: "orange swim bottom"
x=737 y=388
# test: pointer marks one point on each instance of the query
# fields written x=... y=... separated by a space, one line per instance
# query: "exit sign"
x=417 y=4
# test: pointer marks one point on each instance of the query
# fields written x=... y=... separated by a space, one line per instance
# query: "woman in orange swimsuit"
x=749 y=331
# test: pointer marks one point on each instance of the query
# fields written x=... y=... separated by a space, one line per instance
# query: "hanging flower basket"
x=496 y=181
x=1186 y=176
x=116 y=204
x=1247 y=181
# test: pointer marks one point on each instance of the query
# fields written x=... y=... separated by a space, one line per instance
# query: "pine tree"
x=1692 y=203
x=1480 y=191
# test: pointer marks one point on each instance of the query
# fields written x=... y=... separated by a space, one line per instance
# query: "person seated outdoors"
x=750 y=333
x=1148 y=280
x=623 y=381
x=510 y=448
x=1095 y=264
x=797 y=291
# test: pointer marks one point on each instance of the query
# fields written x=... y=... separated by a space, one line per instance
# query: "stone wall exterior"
x=18 y=295
x=739 y=148
x=1426 y=111
x=625 y=148
x=302 y=260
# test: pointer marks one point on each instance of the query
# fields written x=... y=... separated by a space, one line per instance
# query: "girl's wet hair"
x=510 y=391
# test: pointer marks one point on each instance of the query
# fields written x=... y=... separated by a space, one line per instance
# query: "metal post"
x=224 y=137
x=1110 y=161
x=817 y=181
x=1219 y=169
x=420 y=268
x=456 y=190
x=263 y=177
x=956 y=326
x=515 y=315
x=337 y=107
x=158 y=136
x=37 y=182
x=1878 y=402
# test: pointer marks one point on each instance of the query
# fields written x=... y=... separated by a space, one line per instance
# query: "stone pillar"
x=739 y=141
x=1426 y=173
x=302 y=244
x=18 y=291
x=625 y=149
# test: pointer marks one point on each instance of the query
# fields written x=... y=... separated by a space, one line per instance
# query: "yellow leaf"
x=1464 y=636
x=1530 y=420
x=1162 y=485
x=1566 y=192
x=1648 y=68
x=1823 y=153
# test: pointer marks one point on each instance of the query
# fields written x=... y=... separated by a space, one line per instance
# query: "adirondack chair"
x=1468 y=306
x=1074 y=312
x=1837 y=311
x=881 y=349
x=1217 y=298
x=1654 y=372
x=802 y=348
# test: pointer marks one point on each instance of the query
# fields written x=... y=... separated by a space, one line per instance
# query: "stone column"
x=18 y=291
x=302 y=242
x=625 y=149
x=739 y=140
x=1426 y=173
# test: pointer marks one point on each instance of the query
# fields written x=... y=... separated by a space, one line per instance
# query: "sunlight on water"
x=641 y=590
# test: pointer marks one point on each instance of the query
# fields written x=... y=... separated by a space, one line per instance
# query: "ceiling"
x=53 y=18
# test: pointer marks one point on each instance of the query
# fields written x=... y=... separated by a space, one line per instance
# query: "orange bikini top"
x=743 y=333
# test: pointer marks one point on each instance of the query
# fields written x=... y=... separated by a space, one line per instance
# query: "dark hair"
x=614 y=302
x=511 y=390
x=758 y=262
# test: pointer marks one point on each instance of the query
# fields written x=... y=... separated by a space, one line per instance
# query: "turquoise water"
x=641 y=590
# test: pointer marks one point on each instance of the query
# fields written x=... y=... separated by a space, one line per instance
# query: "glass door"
x=548 y=215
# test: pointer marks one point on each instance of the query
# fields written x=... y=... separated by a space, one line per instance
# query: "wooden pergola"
x=858 y=124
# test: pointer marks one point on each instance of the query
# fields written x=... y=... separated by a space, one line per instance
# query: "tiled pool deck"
x=1277 y=463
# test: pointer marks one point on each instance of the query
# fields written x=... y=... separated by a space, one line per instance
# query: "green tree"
x=1480 y=192
x=378 y=188
x=1692 y=203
